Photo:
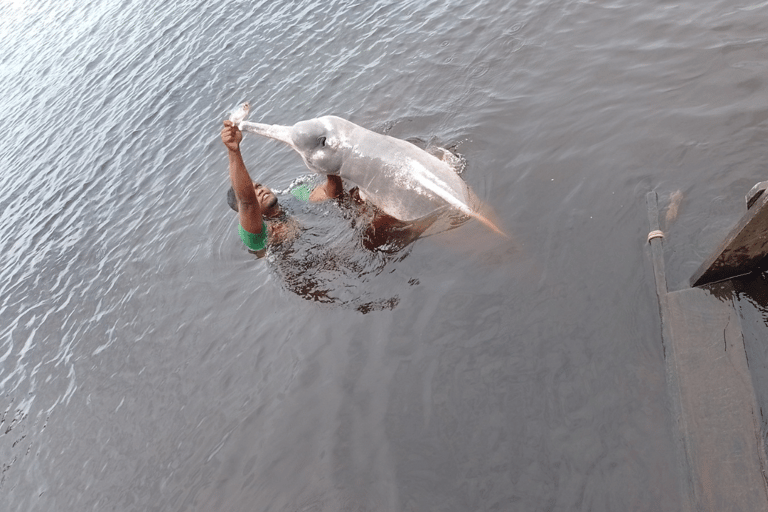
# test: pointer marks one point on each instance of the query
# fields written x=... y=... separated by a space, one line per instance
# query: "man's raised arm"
x=248 y=207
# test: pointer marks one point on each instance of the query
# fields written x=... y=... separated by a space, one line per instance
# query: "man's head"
x=266 y=198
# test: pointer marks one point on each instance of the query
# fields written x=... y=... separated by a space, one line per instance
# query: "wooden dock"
x=719 y=443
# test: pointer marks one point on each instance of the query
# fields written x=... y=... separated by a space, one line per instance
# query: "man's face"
x=267 y=200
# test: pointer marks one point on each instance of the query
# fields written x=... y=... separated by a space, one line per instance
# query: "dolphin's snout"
x=273 y=131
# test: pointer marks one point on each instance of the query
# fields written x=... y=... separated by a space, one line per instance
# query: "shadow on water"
x=343 y=256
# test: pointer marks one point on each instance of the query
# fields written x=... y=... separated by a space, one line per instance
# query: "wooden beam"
x=746 y=246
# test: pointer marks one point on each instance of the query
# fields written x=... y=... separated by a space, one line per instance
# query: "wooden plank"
x=657 y=251
x=745 y=247
x=725 y=456
x=671 y=373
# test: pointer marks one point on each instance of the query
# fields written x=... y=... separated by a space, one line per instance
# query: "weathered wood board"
x=718 y=419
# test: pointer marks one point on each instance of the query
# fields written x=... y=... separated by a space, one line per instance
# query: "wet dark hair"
x=232 y=198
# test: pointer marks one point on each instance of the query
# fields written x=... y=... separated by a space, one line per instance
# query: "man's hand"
x=231 y=136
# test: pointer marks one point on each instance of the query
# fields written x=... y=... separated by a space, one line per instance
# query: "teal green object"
x=301 y=192
x=254 y=241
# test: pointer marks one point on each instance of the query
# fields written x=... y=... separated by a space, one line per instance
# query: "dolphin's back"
x=400 y=178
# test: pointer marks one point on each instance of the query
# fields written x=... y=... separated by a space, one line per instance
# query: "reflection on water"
x=328 y=262
x=341 y=253
x=754 y=289
x=751 y=299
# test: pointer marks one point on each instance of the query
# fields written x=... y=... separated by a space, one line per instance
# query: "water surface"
x=148 y=362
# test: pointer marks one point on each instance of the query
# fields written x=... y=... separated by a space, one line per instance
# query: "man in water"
x=257 y=204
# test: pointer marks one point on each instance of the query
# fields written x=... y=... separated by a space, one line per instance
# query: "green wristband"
x=254 y=241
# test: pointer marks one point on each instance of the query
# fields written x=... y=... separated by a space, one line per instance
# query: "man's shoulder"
x=283 y=228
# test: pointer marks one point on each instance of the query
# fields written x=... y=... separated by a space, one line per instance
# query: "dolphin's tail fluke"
x=476 y=208
x=463 y=204
x=490 y=224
